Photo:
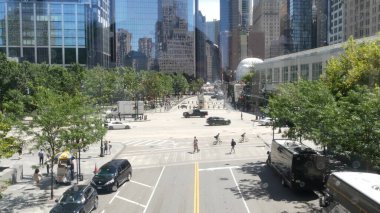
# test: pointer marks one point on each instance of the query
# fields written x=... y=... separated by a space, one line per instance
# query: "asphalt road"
x=168 y=177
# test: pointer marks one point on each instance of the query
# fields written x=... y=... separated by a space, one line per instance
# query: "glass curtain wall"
x=154 y=35
x=56 y=32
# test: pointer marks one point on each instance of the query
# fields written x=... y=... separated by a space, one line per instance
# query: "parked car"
x=77 y=199
x=116 y=125
x=218 y=121
x=112 y=175
x=267 y=121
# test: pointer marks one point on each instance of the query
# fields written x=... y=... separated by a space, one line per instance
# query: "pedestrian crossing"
x=149 y=158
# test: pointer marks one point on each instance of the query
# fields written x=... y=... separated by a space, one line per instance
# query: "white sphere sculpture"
x=245 y=66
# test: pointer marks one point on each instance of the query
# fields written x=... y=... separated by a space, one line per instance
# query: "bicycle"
x=217 y=140
x=243 y=138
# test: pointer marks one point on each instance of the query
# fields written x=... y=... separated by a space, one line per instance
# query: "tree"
x=302 y=105
x=180 y=84
x=86 y=125
x=358 y=124
x=52 y=117
x=8 y=143
x=358 y=65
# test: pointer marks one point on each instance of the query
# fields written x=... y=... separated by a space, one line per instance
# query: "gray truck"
x=194 y=113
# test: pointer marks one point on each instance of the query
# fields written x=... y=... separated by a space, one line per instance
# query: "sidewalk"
x=26 y=197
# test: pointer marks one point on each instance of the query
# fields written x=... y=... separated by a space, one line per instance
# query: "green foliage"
x=248 y=77
x=8 y=143
x=300 y=105
x=180 y=84
x=358 y=65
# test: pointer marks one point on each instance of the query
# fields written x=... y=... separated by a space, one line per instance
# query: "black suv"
x=77 y=199
x=218 y=121
x=112 y=174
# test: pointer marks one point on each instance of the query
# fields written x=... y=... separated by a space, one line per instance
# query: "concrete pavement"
x=25 y=196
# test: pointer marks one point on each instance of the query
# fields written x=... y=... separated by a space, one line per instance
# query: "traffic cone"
x=95 y=169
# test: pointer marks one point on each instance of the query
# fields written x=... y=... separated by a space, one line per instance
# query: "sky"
x=210 y=9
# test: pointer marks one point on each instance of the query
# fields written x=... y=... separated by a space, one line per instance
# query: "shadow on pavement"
x=267 y=186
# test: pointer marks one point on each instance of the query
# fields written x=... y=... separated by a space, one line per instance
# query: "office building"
x=266 y=19
x=361 y=18
x=335 y=23
x=56 y=32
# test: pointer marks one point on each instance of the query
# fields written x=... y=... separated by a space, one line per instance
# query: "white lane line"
x=131 y=201
x=220 y=168
x=114 y=197
x=155 y=187
x=237 y=186
x=140 y=184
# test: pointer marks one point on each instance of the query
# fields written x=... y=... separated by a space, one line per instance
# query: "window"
x=276 y=75
x=269 y=76
x=293 y=73
x=305 y=71
x=316 y=70
x=285 y=77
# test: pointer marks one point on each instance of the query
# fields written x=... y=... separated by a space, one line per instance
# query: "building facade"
x=266 y=19
x=335 y=23
x=56 y=32
x=361 y=18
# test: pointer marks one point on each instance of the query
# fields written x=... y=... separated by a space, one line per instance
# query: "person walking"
x=37 y=176
x=41 y=156
x=195 y=144
x=233 y=144
x=106 y=147
x=109 y=147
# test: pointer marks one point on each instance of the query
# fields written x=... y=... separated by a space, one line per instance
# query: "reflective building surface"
x=154 y=35
x=56 y=32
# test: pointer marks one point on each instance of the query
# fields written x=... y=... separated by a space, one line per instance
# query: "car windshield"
x=107 y=170
x=71 y=198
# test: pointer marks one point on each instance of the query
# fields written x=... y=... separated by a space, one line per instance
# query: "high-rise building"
x=319 y=23
x=212 y=62
x=123 y=46
x=361 y=18
x=212 y=31
x=266 y=19
x=335 y=21
x=200 y=51
x=300 y=25
x=162 y=33
x=246 y=14
x=56 y=32
x=175 y=39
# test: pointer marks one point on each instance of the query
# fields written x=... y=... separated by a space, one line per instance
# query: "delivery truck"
x=299 y=166
x=353 y=192
x=127 y=108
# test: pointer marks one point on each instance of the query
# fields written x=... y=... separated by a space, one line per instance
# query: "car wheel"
x=96 y=203
x=129 y=177
x=127 y=127
x=110 y=127
x=115 y=186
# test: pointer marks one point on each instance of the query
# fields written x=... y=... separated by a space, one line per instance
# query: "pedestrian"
x=241 y=115
x=47 y=162
x=37 y=176
x=233 y=144
x=106 y=147
x=19 y=152
x=109 y=147
x=195 y=144
x=41 y=156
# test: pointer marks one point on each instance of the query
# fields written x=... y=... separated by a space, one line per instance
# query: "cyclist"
x=243 y=139
x=217 y=139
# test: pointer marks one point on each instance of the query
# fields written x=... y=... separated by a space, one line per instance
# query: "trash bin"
x=80 y=177
x=145 y=117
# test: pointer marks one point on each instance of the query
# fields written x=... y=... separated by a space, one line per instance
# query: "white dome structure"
x=245 y=66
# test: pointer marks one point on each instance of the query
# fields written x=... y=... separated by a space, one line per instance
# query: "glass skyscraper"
x=154 y=35
x=56 y=32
